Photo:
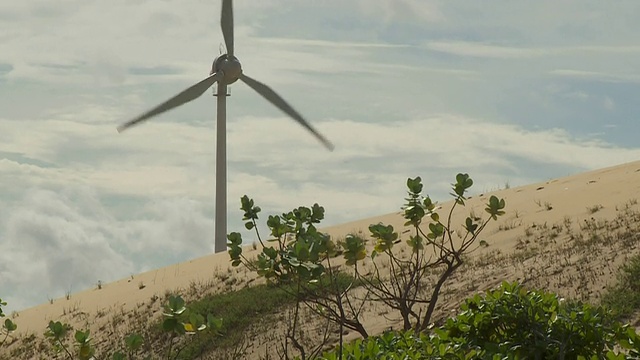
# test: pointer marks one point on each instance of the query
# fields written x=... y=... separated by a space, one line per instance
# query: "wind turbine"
x=226 y=70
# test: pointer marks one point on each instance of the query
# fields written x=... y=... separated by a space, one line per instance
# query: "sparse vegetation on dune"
x=623 y=298
x=303 y=260
x=303 y=292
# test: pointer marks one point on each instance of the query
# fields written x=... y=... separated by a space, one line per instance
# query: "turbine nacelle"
x=228 y=66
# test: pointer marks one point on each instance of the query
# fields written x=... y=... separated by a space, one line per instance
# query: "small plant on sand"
x=133 y=345
x=594 y=209
x=57 y=334
x=178 y=320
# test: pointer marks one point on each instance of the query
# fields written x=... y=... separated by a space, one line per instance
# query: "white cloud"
x=71 y=246
x=597 y=76
x=496 y=51
x=578 y=95
x=401 y=10
x=608 y=103
x=173 y=160
x=67 y=240
x=465 y=48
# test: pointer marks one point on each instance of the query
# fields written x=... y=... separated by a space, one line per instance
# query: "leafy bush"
x=300 y=258
x=509 y=322
x=300 y=264
x=438 y=249
x=403 y=345
x=537 y=324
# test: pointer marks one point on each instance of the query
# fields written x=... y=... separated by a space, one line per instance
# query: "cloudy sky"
x=513 y=92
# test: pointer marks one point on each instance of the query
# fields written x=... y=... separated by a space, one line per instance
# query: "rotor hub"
x=229 y=66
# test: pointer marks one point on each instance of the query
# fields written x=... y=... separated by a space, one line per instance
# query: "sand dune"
x=568 y=201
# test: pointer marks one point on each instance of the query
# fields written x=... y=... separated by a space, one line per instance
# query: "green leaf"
x=436 y=230
x=415 y=185
x=385 y=235
x=214 y=324
x=495 y=206
x=10 y=325
x=250 y=211
x=354 y=249
x=428 y=204
x=613 y=356
x=234 y=239
x=416 y=243
x=317 y=213
x=133 y=342
x=57 y=330
x=463 y=183
x=170 y=324
x=86 y=351
x=176 y=305
x=470 y=226
x=82 y=337
x=270 y=252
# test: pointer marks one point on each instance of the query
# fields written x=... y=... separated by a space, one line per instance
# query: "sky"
x=509 y=92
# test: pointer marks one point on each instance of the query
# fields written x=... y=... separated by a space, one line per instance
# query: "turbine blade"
x=185 y=96
x=279 y=102
x=226 y=22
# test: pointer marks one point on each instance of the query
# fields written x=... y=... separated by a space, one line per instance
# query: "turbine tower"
x=226 y=70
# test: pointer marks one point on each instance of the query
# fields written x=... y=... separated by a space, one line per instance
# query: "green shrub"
x=510 y=322
x=401 y=345
x=537 y=324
